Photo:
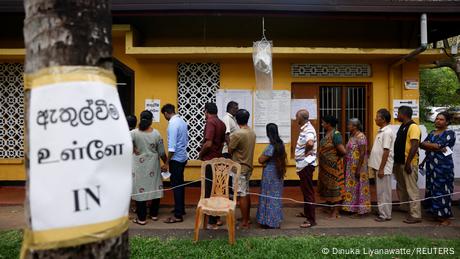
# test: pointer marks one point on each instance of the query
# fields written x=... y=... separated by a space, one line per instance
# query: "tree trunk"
x=453 y=63
x=70 y=32
x=456 y=67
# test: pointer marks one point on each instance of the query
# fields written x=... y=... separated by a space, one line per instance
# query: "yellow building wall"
x=157 y=79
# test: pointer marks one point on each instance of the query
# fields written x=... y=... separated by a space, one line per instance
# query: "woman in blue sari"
x=439 y=170
x=270 y=212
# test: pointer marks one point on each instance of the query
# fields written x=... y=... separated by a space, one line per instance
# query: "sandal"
x=307 y=224
x=381 y=219
x=138 y=222
x=172 y=220
x=411 y=220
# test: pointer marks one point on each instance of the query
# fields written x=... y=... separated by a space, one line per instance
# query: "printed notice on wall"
x=276 y=110
x=411 y=84
x=80 y=159
x=411 y=103
x=242 y=97
x=307 y=104
x=153 y=105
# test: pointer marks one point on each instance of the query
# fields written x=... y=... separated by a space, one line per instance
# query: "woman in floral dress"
x=147 y=181
x=357 y=199
x=270 y=212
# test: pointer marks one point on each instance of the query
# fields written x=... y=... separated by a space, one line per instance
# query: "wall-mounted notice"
x=80 y=160
x=275 y=110
x=153 y=105
x=411 y=103
x=242 y=97
x=307 y=104
x=411 y=84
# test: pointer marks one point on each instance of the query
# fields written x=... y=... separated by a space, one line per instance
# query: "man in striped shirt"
x=305 y=158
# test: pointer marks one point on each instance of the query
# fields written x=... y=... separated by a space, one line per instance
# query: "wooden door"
x=303 y=91
x=342 y=100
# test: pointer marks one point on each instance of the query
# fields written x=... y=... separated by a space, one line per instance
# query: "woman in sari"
x=147 y=180
x=269 y=211
x=357 y=198
x=331 y=176
x=439 y=170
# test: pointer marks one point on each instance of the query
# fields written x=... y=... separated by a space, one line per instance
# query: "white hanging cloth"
x=262 y=59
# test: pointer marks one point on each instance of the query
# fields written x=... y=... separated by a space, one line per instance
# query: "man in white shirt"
x=381 y=163
x=230 y=124
x=305 y=159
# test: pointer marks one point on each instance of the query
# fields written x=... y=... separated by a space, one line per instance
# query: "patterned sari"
x=357 y=195
x=331 y=176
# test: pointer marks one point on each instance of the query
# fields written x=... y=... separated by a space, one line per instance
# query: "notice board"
x=276 y=109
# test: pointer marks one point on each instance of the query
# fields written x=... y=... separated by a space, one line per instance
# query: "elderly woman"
x=147 y=182
x=357 y=199
x=331 y=177
x=439 y=169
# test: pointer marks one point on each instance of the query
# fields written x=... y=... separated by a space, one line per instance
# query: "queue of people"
x=344 y=169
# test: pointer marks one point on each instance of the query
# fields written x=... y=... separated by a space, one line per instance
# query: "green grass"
x=257 y=247
x=10 y=244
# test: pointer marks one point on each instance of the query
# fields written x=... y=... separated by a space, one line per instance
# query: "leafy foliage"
x=438 y=87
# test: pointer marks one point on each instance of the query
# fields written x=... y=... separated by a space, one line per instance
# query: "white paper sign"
x=411 y=103
x=411 y=84
x=153 y=105
x=242 y=97
x=80 y=155
x=456 y=150
x=307 y=104
x=275 y=110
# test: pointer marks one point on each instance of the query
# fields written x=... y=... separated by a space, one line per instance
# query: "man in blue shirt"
x=177 y=148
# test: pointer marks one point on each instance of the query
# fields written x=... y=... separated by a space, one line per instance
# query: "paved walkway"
x=12 y=217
